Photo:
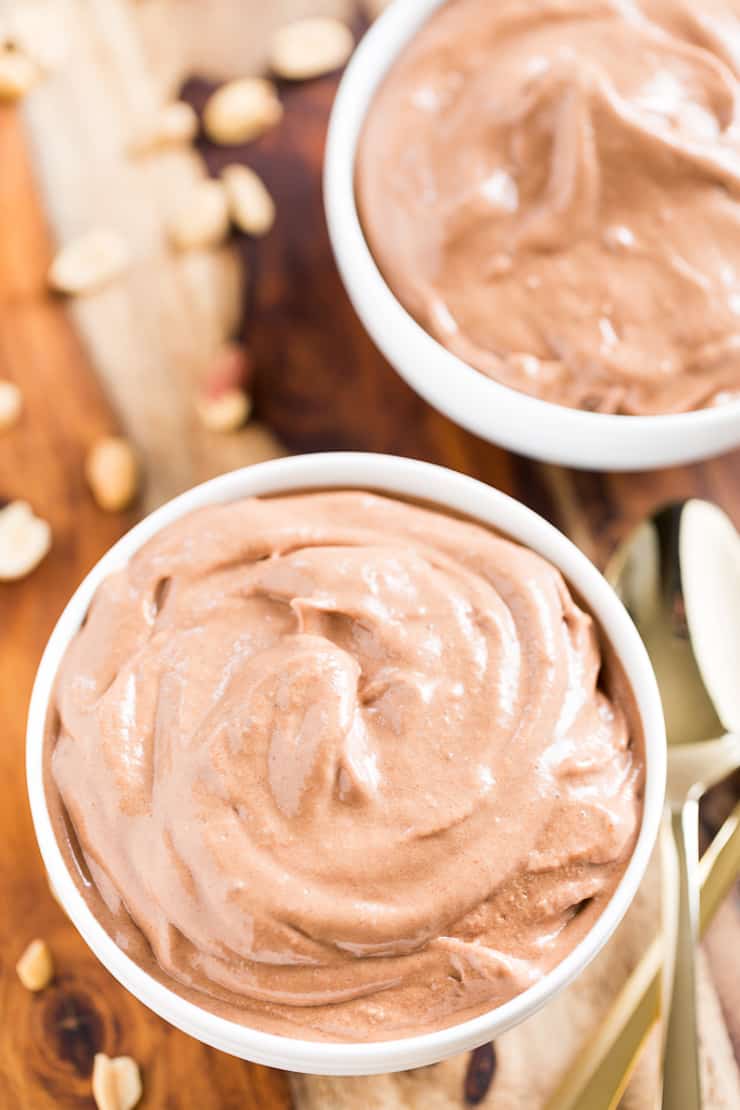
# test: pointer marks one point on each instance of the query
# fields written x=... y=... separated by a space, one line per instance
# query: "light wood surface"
x=150 y=335
x=131 y=357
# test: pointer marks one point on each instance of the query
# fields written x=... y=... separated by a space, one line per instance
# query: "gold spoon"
x=667 y=576
x=599 y=1075
x=679 y=576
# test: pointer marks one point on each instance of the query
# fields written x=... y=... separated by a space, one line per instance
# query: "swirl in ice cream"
x=351 y=766
x=551 y=187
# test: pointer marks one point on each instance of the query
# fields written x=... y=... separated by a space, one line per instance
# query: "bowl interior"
x=449 y=490
x=533 y=427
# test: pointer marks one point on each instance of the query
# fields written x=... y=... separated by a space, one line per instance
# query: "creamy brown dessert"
x=341 y=766
x=550 y=187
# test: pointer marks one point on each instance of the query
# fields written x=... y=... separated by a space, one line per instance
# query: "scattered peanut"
x=35 y=967
x=251 y=206
x=11 y=404
x=310 y=47
x=18 y=75
x=230 y=368
x=24 y=540
x=202 y=218
x=225 y=412
x=112 y=473
x=116 y=1083
x=89 y=262
x=241 y=110
x=175 y=124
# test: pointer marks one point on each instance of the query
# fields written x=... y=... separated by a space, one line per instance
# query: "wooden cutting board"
x=131 y=357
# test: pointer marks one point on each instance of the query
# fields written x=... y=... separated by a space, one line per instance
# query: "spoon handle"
x=598 y=1075
x=681 y=1083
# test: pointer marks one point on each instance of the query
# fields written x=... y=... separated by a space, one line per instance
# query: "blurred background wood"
x=131 y=357
x=47 y=1041
x=151 y=334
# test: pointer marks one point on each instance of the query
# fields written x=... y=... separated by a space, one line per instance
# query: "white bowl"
x=499 y=414
x=401 y=477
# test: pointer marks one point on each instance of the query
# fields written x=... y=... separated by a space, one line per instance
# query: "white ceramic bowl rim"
x=403 y=477
x=541 y=429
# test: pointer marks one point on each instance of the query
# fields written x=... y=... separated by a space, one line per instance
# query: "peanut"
x=310 y=48
x=251 y=206
x=175 y=124
x=89 y=262
x=11 y=404
x=112 y=473
x=241 y=110
x=202 y=218
x=18 y=75
x=225 y=412
x=231 y=367
x=116 y=1083
x=24 y=540
x=36 y=967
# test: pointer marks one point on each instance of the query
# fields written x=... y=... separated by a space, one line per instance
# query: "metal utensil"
x=679 y=576
x=599 y=1074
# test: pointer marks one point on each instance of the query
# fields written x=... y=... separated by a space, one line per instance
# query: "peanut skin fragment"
x=36 y=967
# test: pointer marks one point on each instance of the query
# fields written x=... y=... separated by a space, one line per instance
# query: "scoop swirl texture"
x=552 y=189
x=351 y=766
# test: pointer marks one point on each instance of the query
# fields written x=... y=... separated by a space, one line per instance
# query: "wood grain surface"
x=47 y=1041
x=320 y=385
